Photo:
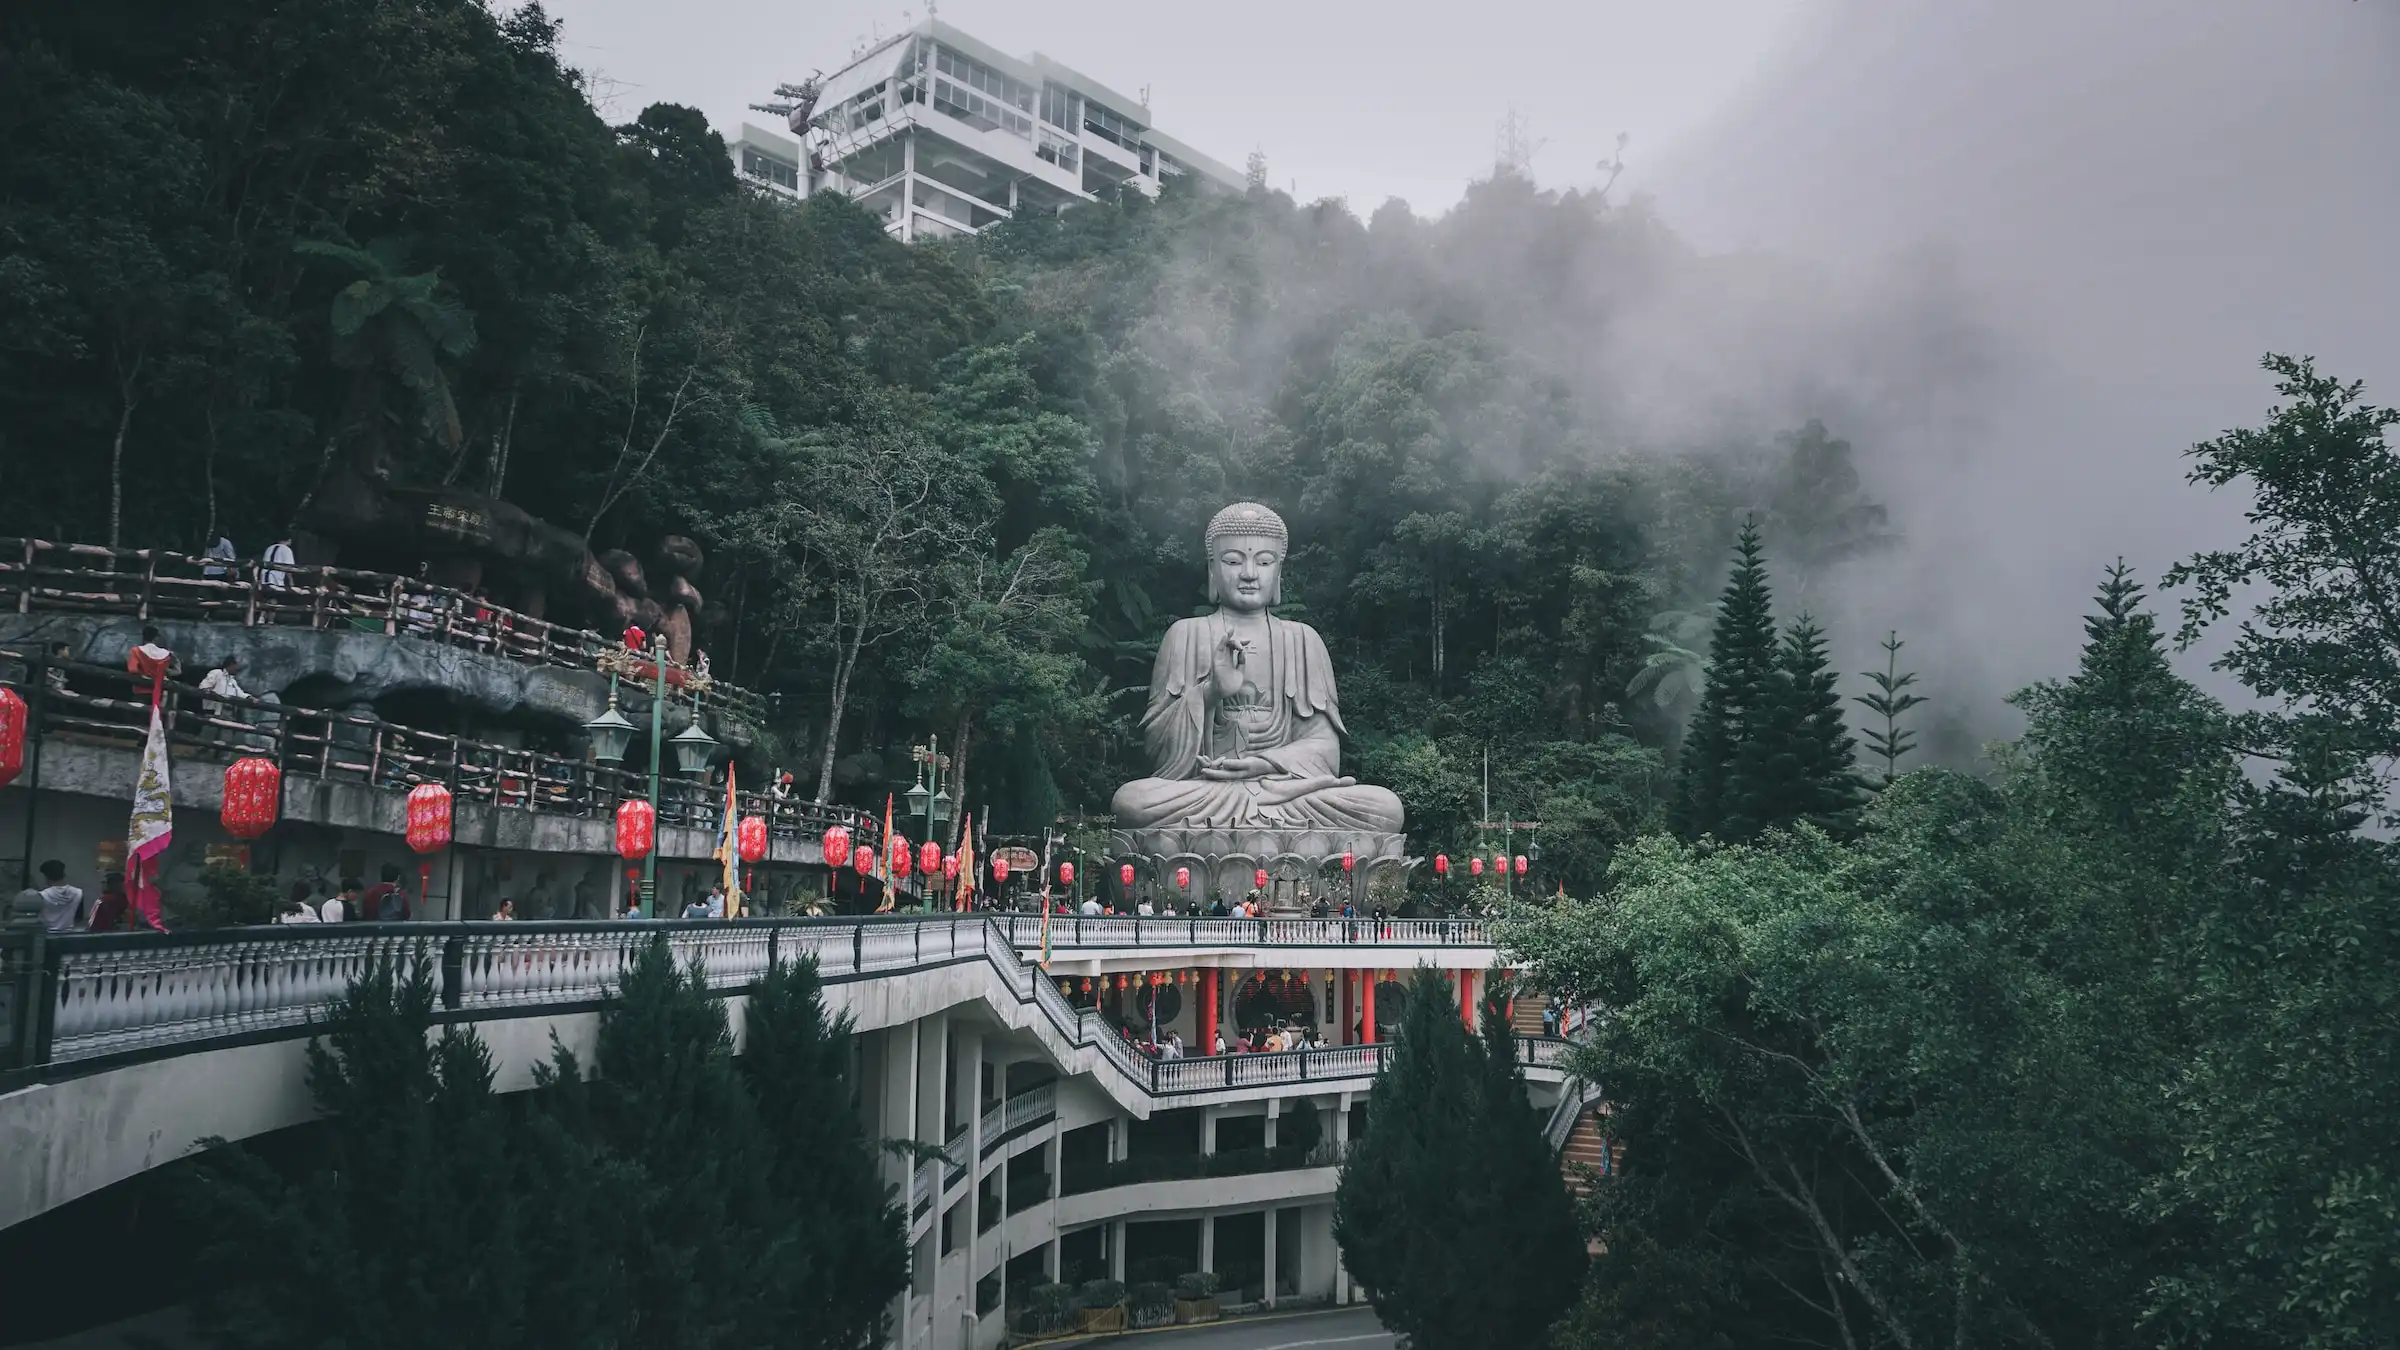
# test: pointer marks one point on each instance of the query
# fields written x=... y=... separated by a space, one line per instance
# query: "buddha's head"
x=1246 y=543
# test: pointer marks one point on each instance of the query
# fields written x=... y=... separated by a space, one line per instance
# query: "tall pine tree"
x=1797 y=763
x=1453 y=1161
x=1741 y=664
x=1891 y=701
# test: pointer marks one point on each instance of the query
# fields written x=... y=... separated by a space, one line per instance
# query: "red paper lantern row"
x=1520 y=864
x=429 y=817
x=929 y=857
x=1441 y=864
x=837 y=846
x=999 y=869
x=1125 y=874
x=1183 y=878
x=751 y=838
x=1066 y=876
x=637 y=830
x=1259 y=878
x=253 y=797
x=12 y=736
x=863 y=858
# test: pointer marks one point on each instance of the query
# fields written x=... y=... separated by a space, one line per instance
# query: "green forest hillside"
x=947 y=489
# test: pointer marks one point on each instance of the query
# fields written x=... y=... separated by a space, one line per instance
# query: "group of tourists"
x=387 y=901
x=56 y=907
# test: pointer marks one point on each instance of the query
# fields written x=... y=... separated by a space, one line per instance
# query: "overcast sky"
x=1364 y=99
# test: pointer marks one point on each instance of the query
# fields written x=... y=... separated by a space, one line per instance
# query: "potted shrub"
x=1152 y=1303
x=1100 y=1306
x=1196 y=1297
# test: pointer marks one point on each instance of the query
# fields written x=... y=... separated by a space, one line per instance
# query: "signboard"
x=1021 y=861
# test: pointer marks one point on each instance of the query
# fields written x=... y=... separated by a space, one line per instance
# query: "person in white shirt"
x=1091 y=908
x=219 y=553
x=346 y=904
x=1173 y=1049
x=221 y=683
x=1144 y=909
x=62 y=904
x=279 y=552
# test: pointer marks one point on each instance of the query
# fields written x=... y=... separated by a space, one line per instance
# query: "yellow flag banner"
x=966 y=864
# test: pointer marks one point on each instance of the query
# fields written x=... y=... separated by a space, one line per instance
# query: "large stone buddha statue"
x=1243 y=728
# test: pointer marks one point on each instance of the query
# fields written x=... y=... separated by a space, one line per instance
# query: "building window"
x=1059 y=150
x=768 y=169
x=1111 y=126
x=984 y=80
x=1061 y=107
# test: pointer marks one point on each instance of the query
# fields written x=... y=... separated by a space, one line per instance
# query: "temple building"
x=943 y=135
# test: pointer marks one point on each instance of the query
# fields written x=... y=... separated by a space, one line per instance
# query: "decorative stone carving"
x=1243 y=730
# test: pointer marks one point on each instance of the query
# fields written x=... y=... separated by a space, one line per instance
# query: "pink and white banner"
x=153 y=825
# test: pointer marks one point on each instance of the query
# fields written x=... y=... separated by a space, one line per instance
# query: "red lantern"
x=950 y=868
x=837 y=846
x=1121 y=982
x=863 y=858
x=253 y=797
x=900 y=857
x=429 y=817
x=1349 y=860
x=999 y=869
x=1066 y=877
x=1259 y=878
x=752 y=838
x=1441 y=864
x=12 y=736
x=1087 y=984
x=1475 y=867
x=1125 y=874
x=1520 y=864
x=635 y=639
x=1183 y=878
x=637 y=829
x=929 y=857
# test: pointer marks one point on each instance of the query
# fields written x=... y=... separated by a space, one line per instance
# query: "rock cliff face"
x=527 y=564
x=337 y=669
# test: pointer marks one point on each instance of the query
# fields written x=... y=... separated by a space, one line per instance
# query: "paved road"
x=1339 y=1329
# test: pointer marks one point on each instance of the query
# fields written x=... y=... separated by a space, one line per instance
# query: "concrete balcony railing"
x=76 y=1002
x=39 y=576
x=1080 y=932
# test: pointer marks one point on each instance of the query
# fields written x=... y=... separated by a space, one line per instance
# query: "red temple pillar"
x=1466 y=999
x=1208 y=1011
x=1367 y=1009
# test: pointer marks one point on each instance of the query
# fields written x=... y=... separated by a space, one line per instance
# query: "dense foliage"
x=678 y=1197
x=1453 y=1171
x=948 y=488
x=2101 y=1052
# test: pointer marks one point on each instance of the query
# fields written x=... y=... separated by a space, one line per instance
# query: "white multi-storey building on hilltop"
x=943 y=135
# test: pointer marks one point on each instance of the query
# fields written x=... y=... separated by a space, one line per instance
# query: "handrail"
x=1080 y=931
x=74 y=999
x=43 y=576
x=98 y=705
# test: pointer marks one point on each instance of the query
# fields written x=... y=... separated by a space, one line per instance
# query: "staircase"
x=1526 y=1017
x=1587 y=1153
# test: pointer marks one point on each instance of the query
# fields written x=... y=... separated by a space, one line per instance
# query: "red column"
x=1466 y=999
x=1367 y=1006
x=1208 y=1011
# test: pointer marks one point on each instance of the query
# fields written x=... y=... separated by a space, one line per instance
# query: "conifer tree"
x=1452 y=1149
x=1797 y=763
x=1741 y=661
x=1890 y=701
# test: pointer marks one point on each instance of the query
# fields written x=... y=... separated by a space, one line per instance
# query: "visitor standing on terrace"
x=278 y=557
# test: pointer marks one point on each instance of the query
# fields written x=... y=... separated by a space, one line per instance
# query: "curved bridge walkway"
x=125 y=1050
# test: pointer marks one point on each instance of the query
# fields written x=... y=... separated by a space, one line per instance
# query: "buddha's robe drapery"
x=1293 y=723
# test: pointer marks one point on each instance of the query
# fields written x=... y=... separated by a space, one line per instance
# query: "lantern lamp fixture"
x=693 y=746
x=611 y=733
